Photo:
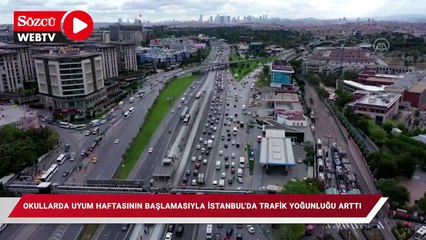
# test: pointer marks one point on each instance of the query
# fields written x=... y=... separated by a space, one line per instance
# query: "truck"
x=210 y=143
x=201 y=178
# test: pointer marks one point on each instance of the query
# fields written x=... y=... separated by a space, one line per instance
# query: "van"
x=218 y=165
x=179 y=231
x=240 y=172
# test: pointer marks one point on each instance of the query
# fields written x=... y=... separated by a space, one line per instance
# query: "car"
x=227 y=165
x=293 y=143
x=207 y=152
x=232 y=170
x=194 y=182
x=226 y=157
x=223 y=174
x=299 y=160
x=113 y=121
x=205 y=142
x=185 y=180
x=87 y=133
x=205 y=161
x=250 y=229
x=217 y=236
x=94 y=159
x=240 y=180
x=125 y=227
x=179 y=106
x=237 y=145
x=195 y=172
x=233 y=142
x=198 y=146
x=150 y=150
x=233 y=155
x=239 y=236
x=221 y=153
x=200 y=140
x=214 y=182
x=229 y=232
x=170 y=130
x=188 y=172
x=199 y=158
x=65 y=173
x=172 y=111
x=116 y=140
x=230 y=180
x=193 y=159
x=225 y=145
x=83 y=152
x=169 y=236
x=72 y=157
x=197 y=165
x=170 y=227
x=239 y=225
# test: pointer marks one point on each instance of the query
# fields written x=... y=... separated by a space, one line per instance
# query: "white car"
x=240 y=180
x=198 y=146
x=150 y=150
x=194 y=182
x=169 y=236
x=116 y=141
x=173 y=111
x=87 y=133
x=205 y=161
x=200 y=140
x=193 y=159
x=250 y=229
x=233 y=155
x=214 y=182
x=299 y=160
x=223 y=174
x=220 y=153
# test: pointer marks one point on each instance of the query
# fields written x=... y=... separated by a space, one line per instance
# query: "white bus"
x=209 y=232
x=49 y=173
x=64 y=125
x=420 y=233
x=80 y=126
x=132 y=109
x=61 y=158
x=127 y=114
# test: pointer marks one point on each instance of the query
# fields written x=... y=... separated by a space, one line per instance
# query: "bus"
x=64 y=125
x=209 y=232
x=80 y=126
x=49 y=173
x=127 y=114
x=186 y=120
x=95 y=130
x=198 y=95
x=420 y=233
x=132 y=109
x=61 y=158
x=92 y=147
x=183 y=114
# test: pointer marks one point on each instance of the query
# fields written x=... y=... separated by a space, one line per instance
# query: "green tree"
x=343 y=97
x=350 y=75
x=396 y=192
x=289 y=232
x=421 y=203
x=387 y=126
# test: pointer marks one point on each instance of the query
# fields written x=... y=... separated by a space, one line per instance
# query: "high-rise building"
x=211 y=18
x=10 y=71
x=25 y=62
x=70 y=81
x=201 y=18
x=126 y=56
x=109 y=55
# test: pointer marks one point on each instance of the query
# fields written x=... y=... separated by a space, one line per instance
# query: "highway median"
x=161 y=106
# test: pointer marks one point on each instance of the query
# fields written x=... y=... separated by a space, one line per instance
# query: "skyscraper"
x=201 y=17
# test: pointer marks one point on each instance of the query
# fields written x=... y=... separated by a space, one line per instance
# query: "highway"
x=327 y=127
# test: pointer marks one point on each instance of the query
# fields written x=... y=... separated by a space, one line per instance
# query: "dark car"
x=237 y=145
x=217 y=236
x=227 y=165
x=229 y=232
x=67 y=147
x=230 y=180
x=188 y=172
x=179 y=231
x=207 y=152
x=170 y=228
x=125 y=227
x=185 y=180
x=239 y=225
x=219 y=225
x=226 y=157
x=65 y=173
x=239 y=236
x=195 y=172
x=225 y=145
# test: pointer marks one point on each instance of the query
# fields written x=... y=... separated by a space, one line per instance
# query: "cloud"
x=102 y=7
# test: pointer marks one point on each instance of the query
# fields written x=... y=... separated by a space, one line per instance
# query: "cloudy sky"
x=159 y=10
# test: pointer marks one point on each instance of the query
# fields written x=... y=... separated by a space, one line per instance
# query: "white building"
x=71 y=81
x=276 y=149
x=10 y=72
x=126 y=56
x=291 y=118
x=352 y=86
x=379 y=106
x=109 y=55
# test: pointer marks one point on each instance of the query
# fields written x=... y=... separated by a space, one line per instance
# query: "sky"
x=161 y=10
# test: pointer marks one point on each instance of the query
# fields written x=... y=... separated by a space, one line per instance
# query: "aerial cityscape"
x=214 y=97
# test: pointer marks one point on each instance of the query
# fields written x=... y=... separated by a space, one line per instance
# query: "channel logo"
x=51 y=26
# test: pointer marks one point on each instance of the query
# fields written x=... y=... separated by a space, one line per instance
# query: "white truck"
x=210 y=143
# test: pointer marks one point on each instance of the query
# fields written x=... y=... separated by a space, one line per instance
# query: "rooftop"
x=380 y=100
x=276 y=149
x=68 y=55
x=417 y=88
x=295 y=116
x=364 y=87
x=282 y=97
x=282 y=65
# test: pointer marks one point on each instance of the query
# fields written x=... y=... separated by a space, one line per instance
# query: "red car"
x=197 y=165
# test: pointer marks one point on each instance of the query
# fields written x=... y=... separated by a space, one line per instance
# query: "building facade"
x=379 y=106
x=282 y=74
x=109 y=55
x=71 y=81
x=24 y=59
x=10 y=72
x=126 y=56
x=416 y=95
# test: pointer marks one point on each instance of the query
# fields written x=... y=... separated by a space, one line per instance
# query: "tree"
x=289 y=232
x=343 y=97
x=265 y=70
x=350 y=75
x=421 y=203
x=396 y=192
x=387 y=126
